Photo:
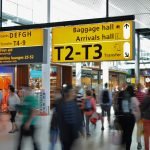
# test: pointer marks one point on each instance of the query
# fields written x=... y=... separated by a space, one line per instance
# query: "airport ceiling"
x=139 y=8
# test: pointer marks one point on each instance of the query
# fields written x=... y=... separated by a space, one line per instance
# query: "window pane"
x=25 y=13
x=10 y=7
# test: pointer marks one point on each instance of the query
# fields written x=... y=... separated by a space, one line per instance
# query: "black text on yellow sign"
x=21 y=38
x=96 y=42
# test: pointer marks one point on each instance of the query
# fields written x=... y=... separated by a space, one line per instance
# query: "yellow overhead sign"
x=21 y=38
x=94 y=42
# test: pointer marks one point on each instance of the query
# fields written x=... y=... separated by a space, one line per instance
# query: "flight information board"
x=93 y=42
x=21 y=47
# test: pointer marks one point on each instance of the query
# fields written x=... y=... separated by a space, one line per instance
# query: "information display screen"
x=21 y=47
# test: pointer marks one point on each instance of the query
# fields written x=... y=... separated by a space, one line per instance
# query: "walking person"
x=69 y=118
x=1 y=98
x=30 y=112
x=140 y=96
x=54 y=131
x=13 y=100
x=106 y=102
x=145 y=111
x=89 y=109
x=128 y=111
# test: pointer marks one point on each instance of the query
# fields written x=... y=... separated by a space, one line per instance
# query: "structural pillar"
x=105 y=68
x=137 y=60
x=0 y=13
x=46 y=67
x=105 y=65
x=78 y=74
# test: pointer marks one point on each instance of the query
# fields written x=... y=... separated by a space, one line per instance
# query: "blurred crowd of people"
x=75 y=109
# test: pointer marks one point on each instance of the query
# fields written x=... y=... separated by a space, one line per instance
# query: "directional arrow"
x=126 y=54
x=126 y=25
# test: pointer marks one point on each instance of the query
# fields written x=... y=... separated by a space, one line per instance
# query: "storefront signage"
x=36 y=74
x=94 y=42
x=21 y=46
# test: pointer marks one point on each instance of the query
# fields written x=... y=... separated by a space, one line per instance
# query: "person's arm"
x=94 y=105
x=34 y=112
x=110 y=97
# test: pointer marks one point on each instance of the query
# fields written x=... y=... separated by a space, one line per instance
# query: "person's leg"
x=129 y=131
x=139 y=126
x=122 y=122
x=53 y=138
x=87 y=125
x=108 y=114
x=12 y=119
x=32 y=133
x=66 y=146
x=146 y=124
x=20 y=138
x=103 y=115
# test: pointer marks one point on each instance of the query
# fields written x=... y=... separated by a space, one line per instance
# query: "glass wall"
x=31 y=10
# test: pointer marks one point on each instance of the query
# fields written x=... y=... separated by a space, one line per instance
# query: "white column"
x=105 y=68
x=46 y=67
x=78 y=74
x=137 y=58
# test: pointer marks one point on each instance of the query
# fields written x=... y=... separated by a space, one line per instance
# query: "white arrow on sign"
x=126 y=31
x=126 y=50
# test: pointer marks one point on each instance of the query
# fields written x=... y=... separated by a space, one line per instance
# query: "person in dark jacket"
x=128 y=107
x=69 y=118
x=145 y=110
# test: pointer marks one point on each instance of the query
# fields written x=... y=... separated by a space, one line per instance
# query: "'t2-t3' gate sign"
x=93 y=42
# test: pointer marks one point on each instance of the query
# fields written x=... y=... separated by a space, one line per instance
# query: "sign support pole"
x=137 y=59
x=107 y=8
x=46 y=67
x=0 y=13
x=105 y=65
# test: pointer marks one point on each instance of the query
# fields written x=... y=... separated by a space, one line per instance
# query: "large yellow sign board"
x=21 y=38
x=94 y=42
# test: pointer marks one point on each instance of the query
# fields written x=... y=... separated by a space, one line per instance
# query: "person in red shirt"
x=89 y=109
x=140 y=96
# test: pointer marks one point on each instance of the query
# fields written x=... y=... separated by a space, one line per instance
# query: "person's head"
x=93 y=90
x=27 y=90
x=130 y=90
x=106 y=85
x=124 y=86
x=68 y=93
x=139 y=86
x=11 y=89
x=88 y=93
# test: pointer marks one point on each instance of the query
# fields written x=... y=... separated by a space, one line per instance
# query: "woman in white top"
x=13 y=100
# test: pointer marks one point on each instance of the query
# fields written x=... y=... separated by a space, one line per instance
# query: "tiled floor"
x=98 y=140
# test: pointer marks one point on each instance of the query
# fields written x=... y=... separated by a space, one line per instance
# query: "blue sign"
x=36 y=74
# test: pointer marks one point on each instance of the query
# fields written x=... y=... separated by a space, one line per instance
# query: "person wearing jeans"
x=145 y=110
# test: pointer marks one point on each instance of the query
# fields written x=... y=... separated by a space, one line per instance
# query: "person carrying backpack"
x=89 y=109
x=127 y=113
x=106 y=102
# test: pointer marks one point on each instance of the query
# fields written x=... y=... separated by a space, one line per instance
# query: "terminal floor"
x=98 y=140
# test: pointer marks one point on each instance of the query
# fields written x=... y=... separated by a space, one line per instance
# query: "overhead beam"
x=67 y=23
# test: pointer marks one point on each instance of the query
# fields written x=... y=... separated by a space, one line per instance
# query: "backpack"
x=88 y=105
x=105 y=98
x=126 y=104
